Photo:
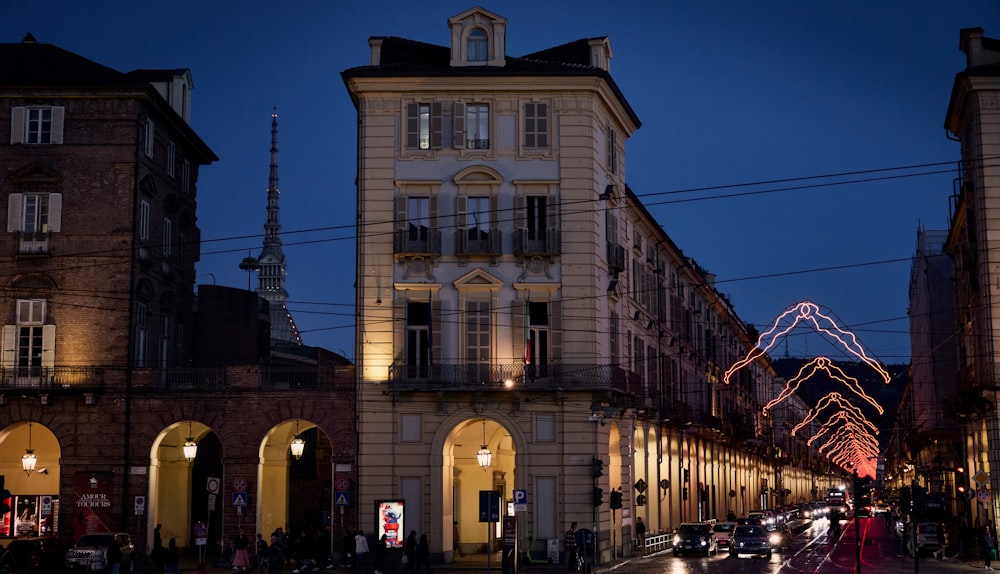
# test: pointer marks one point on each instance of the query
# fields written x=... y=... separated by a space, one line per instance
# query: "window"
x=538 y=335
x=142 y=228
x=150 y=132
x=537 y=214
x=612 y=150
x=478 y=46
x=418 y=339
x=423 y=126
x=477 y=126
x=167 y=243
x=478 y=218
x=536 y=125
x=186 y=176
x=36 y=125
x=35 y=213
x=30 y=324
x=418 y=218
x=171 y=157
x=478 y=335
x=613 y=337
x=141 y=334
x=166 y=332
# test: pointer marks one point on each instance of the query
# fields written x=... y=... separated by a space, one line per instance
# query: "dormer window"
x=478 y=46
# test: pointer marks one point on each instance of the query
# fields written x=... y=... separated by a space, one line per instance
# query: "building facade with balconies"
x=522 y=319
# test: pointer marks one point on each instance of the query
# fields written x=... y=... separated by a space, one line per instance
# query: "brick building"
x=110 y=363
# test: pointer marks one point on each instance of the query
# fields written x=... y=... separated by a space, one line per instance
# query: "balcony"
x=483 y=244
x=495 y=377
x=33 y=243
x=31 y=380
x=544 y=243
x=405 y=244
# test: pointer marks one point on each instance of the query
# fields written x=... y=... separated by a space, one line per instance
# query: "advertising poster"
x=92 y=493
x=390 y=522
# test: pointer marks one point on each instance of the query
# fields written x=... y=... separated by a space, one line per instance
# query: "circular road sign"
x=240 y=484
x=343 y=484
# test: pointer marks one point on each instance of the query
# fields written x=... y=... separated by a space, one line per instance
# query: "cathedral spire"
x=273 y=266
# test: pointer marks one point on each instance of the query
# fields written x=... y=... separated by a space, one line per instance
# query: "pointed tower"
x=271 y=274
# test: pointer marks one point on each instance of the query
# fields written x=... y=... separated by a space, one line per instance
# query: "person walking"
x=261 y=549
x=361 y=551
x=172 y=557
x=381 y=547
x=275 y=556
x=114 y=557
x=241 y=556
x=640 y=532
x=423 y=555
x=157 y=555
x=988 y=544
x=570 y=543
x=410 y=552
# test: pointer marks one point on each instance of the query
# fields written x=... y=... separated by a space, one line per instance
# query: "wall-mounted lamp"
x=484 y=456
x=190 y=447
x=298 y=445
x=29 y=459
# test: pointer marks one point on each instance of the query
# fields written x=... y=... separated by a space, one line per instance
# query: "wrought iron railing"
x=499 y=377
x=80 y=379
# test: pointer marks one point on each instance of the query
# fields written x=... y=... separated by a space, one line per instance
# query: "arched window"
x=478 y=46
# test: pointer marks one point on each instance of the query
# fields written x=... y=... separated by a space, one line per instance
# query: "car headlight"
x=677 y=540
x=775 y=538
x=702 y=541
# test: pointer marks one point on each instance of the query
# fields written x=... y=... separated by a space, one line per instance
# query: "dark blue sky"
x=729 y=93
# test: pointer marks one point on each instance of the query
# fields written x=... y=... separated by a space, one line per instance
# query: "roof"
x=402 y=58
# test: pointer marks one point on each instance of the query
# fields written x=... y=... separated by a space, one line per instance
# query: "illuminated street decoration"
x=826 y=365
x=806 y=311
x=841 y=416
x=846 y=406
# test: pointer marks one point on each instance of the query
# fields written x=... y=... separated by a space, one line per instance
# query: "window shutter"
x=48 y=346
x=399 y=331
x=17 y=125
x=517 y=327
x=437 y=126
x=436 y=332
x=401 y=212
x=55 y=212
x=458 y=125
x=519 y=207
x=432 y=214
x=494 y=211
x=552 y=217
x=461 y=213
x=9 y=346
x=555 y=324
x=13 y=212
x=412 y=126
x=58 y=115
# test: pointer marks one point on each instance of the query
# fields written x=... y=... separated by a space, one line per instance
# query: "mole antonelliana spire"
x=272 y=264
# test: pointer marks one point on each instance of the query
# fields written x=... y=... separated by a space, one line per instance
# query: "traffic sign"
x=982 y=495
x=489 y=506
x=981 y=477
x=520 y=501
x=240 y=484
x=342 y=498
x=239 y=499
x=343 y=484
x=140 y=505
x=212 y=485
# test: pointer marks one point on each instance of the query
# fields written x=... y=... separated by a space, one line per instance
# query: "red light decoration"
x=834 y=372
x=845 y=405
x=809 y=312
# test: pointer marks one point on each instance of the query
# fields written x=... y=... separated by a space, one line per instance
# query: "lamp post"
x=298 y=445
x=190 y=447
x=484 y=457
x=29 y=460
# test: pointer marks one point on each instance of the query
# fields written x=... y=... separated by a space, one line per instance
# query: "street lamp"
x=29 y=459
x=298 y=445
x=190 y=447
x=484 y=456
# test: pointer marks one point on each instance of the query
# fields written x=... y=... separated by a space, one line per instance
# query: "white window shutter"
x=14 y=213
x=9 y=346
x=55 y=212
x=401 y=221
x=17 y=125
x=58 y=115
x=48 y=346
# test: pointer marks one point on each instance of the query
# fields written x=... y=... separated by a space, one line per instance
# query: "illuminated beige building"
x=520 y=313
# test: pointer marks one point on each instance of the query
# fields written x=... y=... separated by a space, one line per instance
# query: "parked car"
x=780 y=536
x=41 y=555
x=695 y=537
x=927 y=537
x=750 y=539
x=723 y=533
x=881 y=509
x=765 y=516
x=91 y=552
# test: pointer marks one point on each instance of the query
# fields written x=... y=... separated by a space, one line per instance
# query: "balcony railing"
x=517 y=376
x=547 y=243
x=487 y=244
x=404 y=244
x=46 y=379
x=33 y=243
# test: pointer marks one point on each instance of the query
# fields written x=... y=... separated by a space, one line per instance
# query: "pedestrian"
x=939 y=553
x=114 y=557
x=172 y=557
x=347 y=549
x=988 y=544
x=423 y=555
x=361 y=551
x=640 y=532
x=731 y=516
x=241 y=556
x=261 y=549
x=275 y=556
x=456 y=543
x=570 y=543
x=157 y=555
x=381 y=547
x=410 y=552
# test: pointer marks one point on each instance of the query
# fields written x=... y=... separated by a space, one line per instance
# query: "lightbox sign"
x=390 y=522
